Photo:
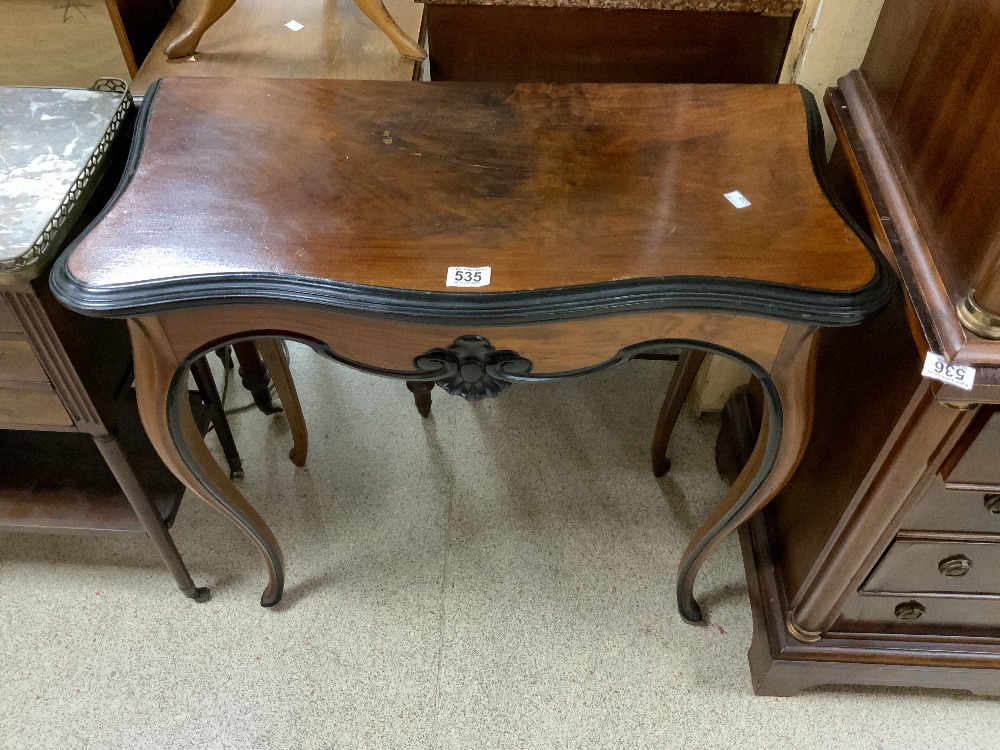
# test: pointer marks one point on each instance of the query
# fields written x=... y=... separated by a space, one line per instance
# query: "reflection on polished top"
x=289 y=188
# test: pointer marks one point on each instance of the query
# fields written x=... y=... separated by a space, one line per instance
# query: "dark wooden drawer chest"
x=880 y=561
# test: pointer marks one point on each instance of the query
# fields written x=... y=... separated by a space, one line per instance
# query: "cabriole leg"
x=784 y=433
x=166 y=415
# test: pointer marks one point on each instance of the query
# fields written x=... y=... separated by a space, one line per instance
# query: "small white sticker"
x=294 y=26
x=465 y=276
x=737 y=199
x=937 y=368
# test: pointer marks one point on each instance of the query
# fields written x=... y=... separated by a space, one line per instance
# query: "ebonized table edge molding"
x=783 y=302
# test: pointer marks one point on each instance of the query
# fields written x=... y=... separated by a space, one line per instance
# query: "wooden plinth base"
x=782 y=666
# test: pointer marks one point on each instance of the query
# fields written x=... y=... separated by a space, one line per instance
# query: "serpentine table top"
x=604 y=220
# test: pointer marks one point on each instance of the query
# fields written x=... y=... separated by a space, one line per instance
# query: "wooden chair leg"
x=185 y=44
x=277 y=364
x=217 y=410
x=146 y=510
x=254 y=376
x=421 y=391
x=378 y=14
x=680 y=384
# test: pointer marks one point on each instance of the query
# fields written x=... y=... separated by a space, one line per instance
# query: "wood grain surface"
x=388 y=184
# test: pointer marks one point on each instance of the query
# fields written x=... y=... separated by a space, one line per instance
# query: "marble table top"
x=52 y=148
x=765 y=7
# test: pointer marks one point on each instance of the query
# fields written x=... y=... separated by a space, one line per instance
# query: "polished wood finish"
x=372 y=194
x=603 y=45
x=883 y=570
x=942 y=509
x=936 y=107
x=154 y=374
x=416 y=193
x=337 y=41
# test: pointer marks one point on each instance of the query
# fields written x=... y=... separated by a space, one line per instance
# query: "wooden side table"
x=476 y=236
x=75 y=456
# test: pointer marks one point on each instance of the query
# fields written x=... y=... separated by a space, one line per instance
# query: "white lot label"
x=737 y=199
x=936 y=368
x=464 y=276
x=294 y=26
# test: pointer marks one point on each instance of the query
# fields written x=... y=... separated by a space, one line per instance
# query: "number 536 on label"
x=937 y=368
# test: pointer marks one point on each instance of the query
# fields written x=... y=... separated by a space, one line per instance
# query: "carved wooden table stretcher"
x=330 y=212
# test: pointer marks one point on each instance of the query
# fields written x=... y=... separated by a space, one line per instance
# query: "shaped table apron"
x=779 y=354
x=334 y=212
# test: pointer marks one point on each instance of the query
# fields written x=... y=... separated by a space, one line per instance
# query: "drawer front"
x=931 y=615
x=8 y=322
x=18 y=363
x=958 y=567
x=941 y=509
x=980 y=463
x=32 y=407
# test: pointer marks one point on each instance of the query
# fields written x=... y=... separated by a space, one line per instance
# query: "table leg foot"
x=201 y=594
x=680 y=384
x=785 y=429
x=378 y=14
x=185 y=43
x=156 y=528
x=170 y=424
x=277 y=364
x=421 y=391
x=255 y=377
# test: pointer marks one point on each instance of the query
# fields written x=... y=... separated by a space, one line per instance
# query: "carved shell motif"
x=472 y=368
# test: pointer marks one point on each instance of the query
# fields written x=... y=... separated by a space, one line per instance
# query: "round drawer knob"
x=955 y=566
x=992 y=503
x=909 y=611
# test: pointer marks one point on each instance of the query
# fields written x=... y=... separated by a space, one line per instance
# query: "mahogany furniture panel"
x=877 y=564
x=607 y=42
x=331 y=212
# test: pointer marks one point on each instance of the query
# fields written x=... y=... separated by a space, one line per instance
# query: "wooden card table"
x=595 y=217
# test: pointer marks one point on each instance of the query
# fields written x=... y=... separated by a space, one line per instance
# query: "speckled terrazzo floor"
x=499 y=576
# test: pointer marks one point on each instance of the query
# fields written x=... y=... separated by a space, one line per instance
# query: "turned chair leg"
x=421 y=391
x=185 y=44
x=377 y=13
x=680 y=384
x=277 y=364
x=254 y=376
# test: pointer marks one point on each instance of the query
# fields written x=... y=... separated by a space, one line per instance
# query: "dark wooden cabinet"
x=880 y=561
